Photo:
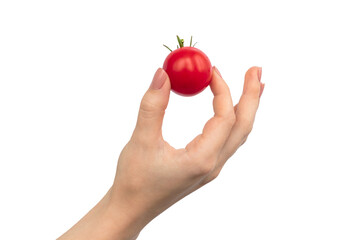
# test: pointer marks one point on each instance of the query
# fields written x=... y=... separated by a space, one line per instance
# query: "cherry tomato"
x=189 y=70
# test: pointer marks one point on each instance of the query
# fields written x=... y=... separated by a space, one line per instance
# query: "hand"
x=151 y=175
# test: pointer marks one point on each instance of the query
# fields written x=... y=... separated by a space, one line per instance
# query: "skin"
x=151 y=175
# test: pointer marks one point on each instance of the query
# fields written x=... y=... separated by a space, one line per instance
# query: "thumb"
x=152 y=107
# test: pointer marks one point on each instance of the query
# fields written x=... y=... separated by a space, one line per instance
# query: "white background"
x=72 y=74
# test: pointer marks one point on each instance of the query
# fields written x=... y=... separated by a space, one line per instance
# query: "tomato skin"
x=189 y=70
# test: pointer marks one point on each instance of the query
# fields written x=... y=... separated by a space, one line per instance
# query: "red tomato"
x=189 y=70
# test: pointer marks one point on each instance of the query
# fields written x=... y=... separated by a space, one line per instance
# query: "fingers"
x=218 y=128
x=245 y=112
x=152 y=108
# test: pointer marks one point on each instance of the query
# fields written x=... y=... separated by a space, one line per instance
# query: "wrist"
x=108 y=220
x=126 y=214
x=123 y=220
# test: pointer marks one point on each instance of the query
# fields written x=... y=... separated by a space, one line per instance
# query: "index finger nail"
x=217 y=71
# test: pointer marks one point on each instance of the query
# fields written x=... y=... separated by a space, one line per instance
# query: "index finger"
x=245 y=112
x=217 y=129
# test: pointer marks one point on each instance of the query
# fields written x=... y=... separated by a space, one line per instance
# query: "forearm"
x=108 y=220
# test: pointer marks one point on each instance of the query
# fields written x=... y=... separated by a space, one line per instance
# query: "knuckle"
x=146 y=105
x=148 y=108
x=248 y=129
x=214 y=175
x=253 y=92
x=205 y=167
x=243 y=140
x=246 y=133
x=228 y=120
x=246 y=125
x=144 y=142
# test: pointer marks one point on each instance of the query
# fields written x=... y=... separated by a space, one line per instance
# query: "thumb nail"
x=159 y=79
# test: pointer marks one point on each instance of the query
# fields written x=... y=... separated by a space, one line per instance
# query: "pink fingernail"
x=262 y=88
x=217 y=71
x=159 y=79
x=259 y=73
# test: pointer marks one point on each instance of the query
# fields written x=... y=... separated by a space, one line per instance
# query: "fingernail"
x=259 y=73
x=159 y=79
x=217 y=71
x=262 y=88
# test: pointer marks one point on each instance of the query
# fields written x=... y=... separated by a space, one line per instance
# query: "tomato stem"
x=181 y=43
x=167 y=47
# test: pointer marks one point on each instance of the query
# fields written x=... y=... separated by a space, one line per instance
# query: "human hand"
x=151 y=175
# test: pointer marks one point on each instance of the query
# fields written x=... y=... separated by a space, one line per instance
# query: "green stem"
x=181 y=41
x=167 y=47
